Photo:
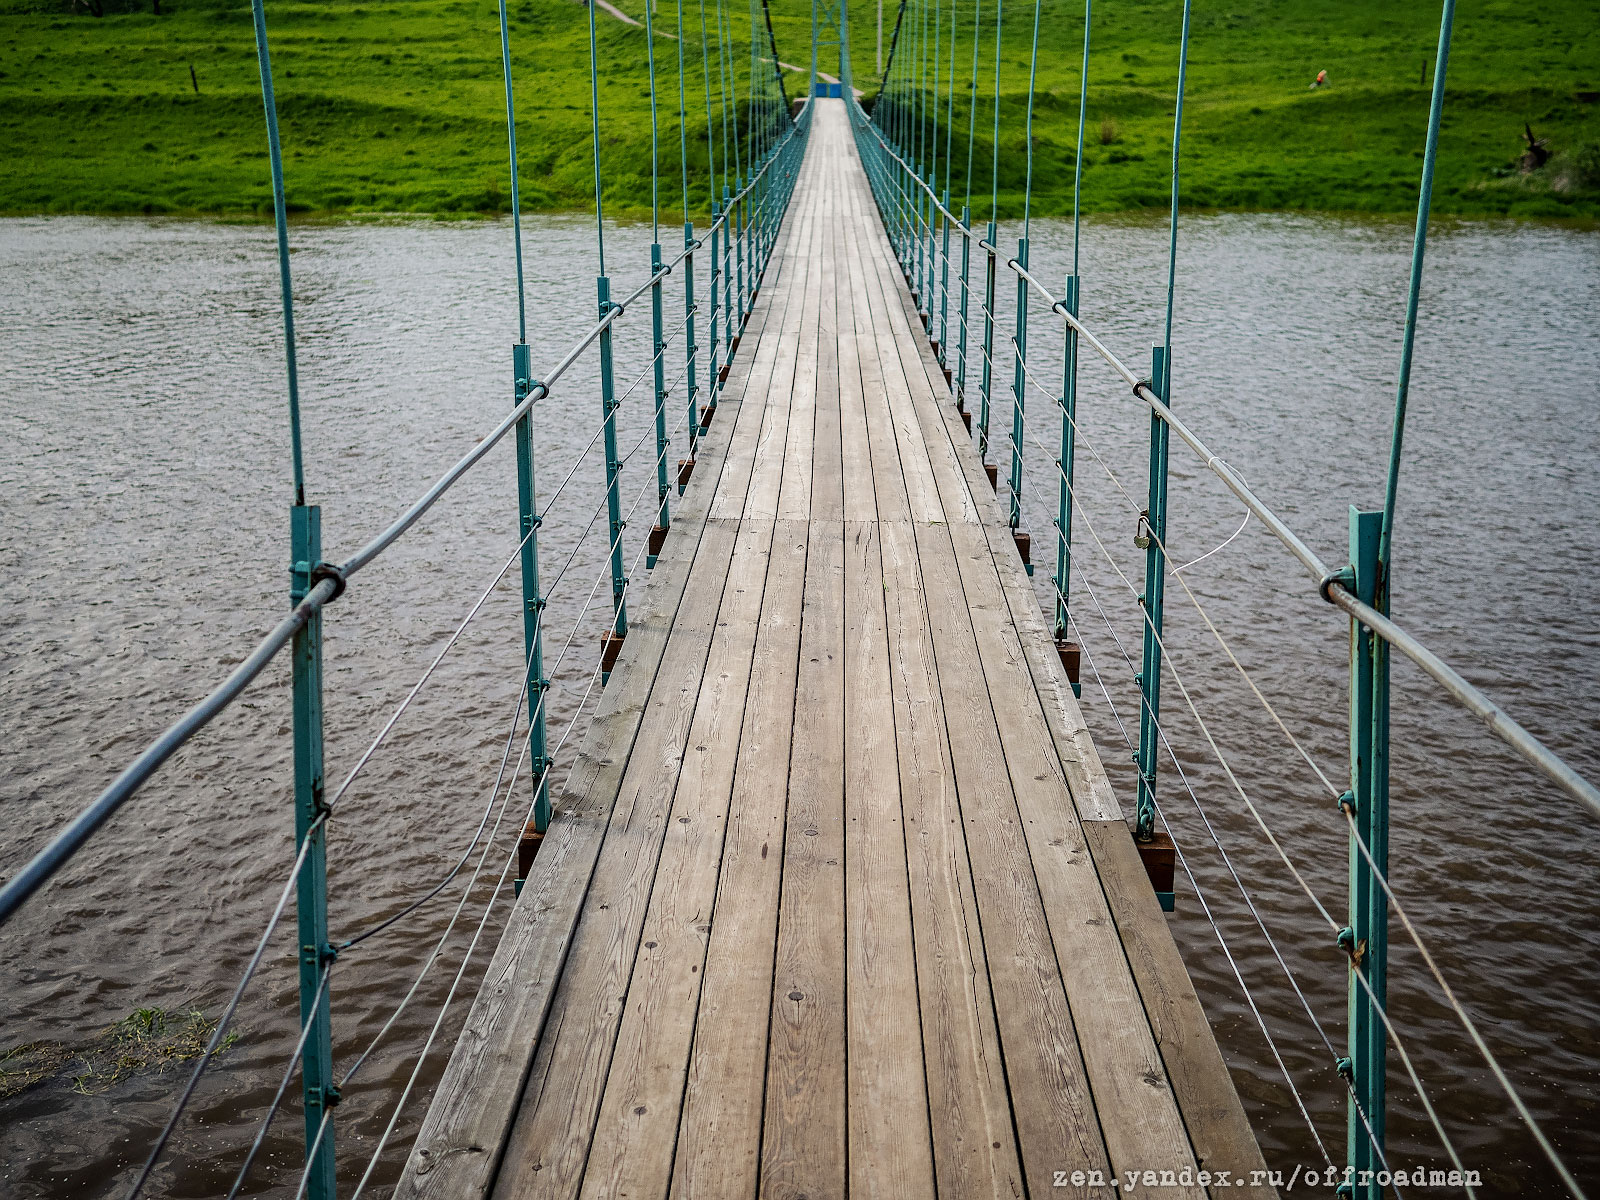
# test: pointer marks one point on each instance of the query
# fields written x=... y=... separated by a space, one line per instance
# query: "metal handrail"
x=1331 y=586
x=72 y=837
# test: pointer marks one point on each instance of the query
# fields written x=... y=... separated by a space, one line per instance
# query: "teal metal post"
x=961 y=353
x=1152 y=538
x=944 y=288
x=1069 y=451
x=528 y=522
x=730 y=327
x=311 y=886
x=690 y=350
x=1366 y=939
x=1019 y=388
x=711 y=319
x=609 y=405
x=988 y=348
x=663 y=505
x=741 y=225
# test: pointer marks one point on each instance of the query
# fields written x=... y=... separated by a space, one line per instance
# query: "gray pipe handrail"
x=71 y=838
x=1329 y=583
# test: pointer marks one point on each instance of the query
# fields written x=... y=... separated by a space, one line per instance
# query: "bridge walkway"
x=837 y=900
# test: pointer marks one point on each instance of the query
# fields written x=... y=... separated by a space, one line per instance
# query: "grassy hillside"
x=395 y=105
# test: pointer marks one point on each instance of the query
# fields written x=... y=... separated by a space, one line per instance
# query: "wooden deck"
x=838 y=900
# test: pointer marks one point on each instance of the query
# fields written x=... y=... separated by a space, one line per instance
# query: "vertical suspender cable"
x=966 y=214
x=611 y=640
x=305 y=553
x=1154 y=535
x=658 y=338
x=1019 y=387
x=989 y=263
x=1419 y=244
x=690 y=350
x=1073 y=299
x=281 y=221
x=522 y=382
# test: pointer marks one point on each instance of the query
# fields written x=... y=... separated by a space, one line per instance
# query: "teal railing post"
x=741 y=229
x=1366 y=939
x=1019 y=390
x=611 y=640
x=713 y=282
x=987 y=380
x=663 y=509
x=961 y=349
x=310 y=826
x=690 y=350
x=528 y=522
x=944 y=287
x=1069 y=452
x=730 y=329
x=1152 y=537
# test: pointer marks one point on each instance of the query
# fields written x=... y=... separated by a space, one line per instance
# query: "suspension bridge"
x=832 y=894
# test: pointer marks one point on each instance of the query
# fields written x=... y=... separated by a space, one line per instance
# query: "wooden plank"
x=803 y=1142
x=970 y=1112
x=1056 y=1123
x=1216 y=1121
x=891 y=1149
x=1086 y=777
x=458 y=1147
x=772 y=367
x=1213 y=1116
x=637 y=1127
x=794 y=499
x=827 y=485
x=969 y=1108
x=719 y=1137
x=1136 y=1108
x=549 y=1140
x=1138 y=1113
x=536 y=960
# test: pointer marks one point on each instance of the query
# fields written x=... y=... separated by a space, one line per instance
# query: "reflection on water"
x=143 y=537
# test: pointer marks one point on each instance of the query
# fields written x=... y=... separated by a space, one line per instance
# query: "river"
x=143 y=536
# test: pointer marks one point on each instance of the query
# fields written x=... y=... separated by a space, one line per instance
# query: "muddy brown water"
x=143 y=532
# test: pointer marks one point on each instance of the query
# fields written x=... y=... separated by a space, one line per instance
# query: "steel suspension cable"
x=1419 y=245
x=655 y=136
x=1033 y=72
x=594 y=117
x=1077 y=161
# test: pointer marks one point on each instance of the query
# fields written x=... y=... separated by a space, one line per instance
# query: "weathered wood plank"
x=637 y=1127
x=803 y=1143
x=970 y=1112
x=719 y=1137
x=1218 y=1128
x=459 y=1146
x=891 y=1149
x=549 y=1140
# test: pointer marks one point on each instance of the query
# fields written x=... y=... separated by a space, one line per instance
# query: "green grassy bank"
x=395 y=105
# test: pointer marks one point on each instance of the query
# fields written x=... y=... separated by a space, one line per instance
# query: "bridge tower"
x=830 y=22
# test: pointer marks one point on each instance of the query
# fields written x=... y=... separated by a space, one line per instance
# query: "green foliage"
x=395 y=106
x=147 y=1039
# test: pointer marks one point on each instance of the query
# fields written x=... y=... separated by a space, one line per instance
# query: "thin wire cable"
x=227 y=1013
x=283 y=1083
x=399 y=1107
